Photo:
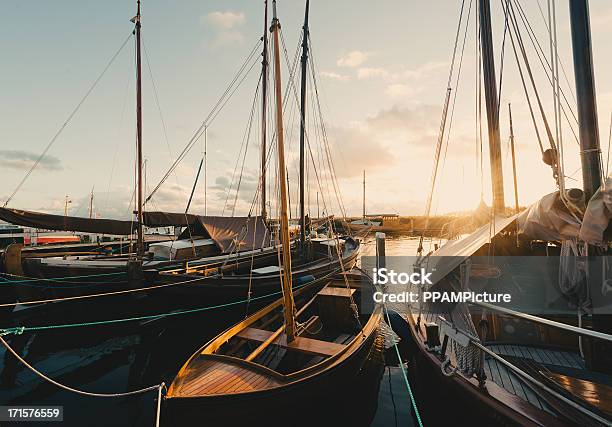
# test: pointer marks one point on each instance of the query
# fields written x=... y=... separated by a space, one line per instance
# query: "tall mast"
x=284 y=219
x=585 y=94
x=516 y=199
x=490 y=85
x=264 y=107
x=600 y=353
x=91 y=197
x=364 y=210
x=303 y=124
x=136 y=20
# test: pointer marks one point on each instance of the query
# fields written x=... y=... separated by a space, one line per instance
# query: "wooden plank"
x=302 y=344
x=254 y=334
x=507 y=384
x=317 y=347
x=598 y=395
x=337 y=292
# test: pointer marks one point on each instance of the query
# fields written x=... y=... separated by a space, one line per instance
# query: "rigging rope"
x=231 y=89
x=443 y=120
x=548 y=67
x=18 y=330
x=161 y=114
x=70 y=116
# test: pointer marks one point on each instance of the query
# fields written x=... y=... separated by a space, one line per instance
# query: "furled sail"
x=547 y=219
x=66 y=223
x=229 y=233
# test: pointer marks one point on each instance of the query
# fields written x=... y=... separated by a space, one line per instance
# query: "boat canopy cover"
x=166 y=219
x=548 y=218
x=597 y=215
x=67 y=223
x=231 y=234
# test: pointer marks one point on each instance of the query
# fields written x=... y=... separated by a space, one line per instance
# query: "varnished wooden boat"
x=563 y=390
x=59 y=277
x=218 y=286
x=251 y=370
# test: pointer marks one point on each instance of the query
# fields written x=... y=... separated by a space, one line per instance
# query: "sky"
x=381 y=71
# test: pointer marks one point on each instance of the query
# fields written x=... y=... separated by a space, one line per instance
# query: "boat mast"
x=516 y=199
x=303 y=124
x=91 y=198
x=264 y=108
x=284 y=220
x=599 y=358
x=490 y=85
x=136 y=20
x=585 y=94
x=364 y=211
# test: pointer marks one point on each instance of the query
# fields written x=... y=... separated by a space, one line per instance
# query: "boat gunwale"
x=497 y=396
x=348 y=256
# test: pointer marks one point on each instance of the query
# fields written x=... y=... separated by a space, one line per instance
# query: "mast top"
x=275 y=21
x=136 y=19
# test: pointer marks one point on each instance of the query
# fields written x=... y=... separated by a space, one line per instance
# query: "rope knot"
x=19 y=330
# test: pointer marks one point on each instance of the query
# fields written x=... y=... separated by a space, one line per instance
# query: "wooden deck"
x=208 y=377
x=598 y=395
x=514 y=384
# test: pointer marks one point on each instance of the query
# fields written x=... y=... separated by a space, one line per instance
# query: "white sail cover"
x=598 y=214
x=548 y=219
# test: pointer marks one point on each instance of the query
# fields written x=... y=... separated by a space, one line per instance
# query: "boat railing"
x=547 y=322
x=463 y=339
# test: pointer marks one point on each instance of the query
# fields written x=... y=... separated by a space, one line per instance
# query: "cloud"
x=335 y=76
x=416 y=128
x=225 y=20
x=17 y=159
x=399 y=90
x=369 y=73
x=226 y=25
x=403 y=74
x=352 y=59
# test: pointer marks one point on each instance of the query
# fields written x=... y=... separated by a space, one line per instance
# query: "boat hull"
x=488 y=406
x=323 y=391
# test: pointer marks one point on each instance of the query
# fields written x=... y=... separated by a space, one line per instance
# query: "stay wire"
x=70 y=116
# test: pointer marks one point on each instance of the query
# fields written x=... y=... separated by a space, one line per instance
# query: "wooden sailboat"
x=307 y=345
x=232 y=281
x=510 y=367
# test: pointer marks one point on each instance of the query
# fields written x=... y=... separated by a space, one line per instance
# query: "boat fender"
x=302 y=280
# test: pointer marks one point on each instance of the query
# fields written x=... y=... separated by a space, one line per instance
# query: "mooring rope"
x=159 y=387
x=102 y=294
x=55 y=279
x=74 y=390
x=18 y=330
